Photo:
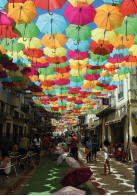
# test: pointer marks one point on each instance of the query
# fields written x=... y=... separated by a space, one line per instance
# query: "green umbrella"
x=48 y=91
x=5 y=58
x=62 y=104
x=93 y=72
x=77 y=78
x=96 y=57
x=61 y=87
x=17 y=79
x=46 y=71
x=81 y=33
x=123 y=72
x=135 y=39
x=59 y=65
x=98 y=88
x=91 y=106
x=129 y=26
x=73 y=95
x=11 y=45
x=28 y=30
x=92 y=95
x=62 y=91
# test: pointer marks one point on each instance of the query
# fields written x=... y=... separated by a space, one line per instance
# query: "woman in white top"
x=133 y=151
x=37 y=144
x=5 y=167
x=106 y=154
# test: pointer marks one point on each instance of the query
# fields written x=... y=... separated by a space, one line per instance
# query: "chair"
x=22 y=161
x=31 y=159
x=8 y=177
x=14 y=162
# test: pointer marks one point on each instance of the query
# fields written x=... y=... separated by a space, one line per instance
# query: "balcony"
x=25 y=108
x=13 y=100
x=3 y=95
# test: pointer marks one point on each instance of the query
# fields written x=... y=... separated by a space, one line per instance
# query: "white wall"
x=88 y=117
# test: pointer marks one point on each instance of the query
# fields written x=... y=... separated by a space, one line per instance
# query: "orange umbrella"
x=78 y=66
x=58 y=76
x=2 y=51
x=108 y=17
x=21 y=12
x=48 y=87
x=41 y=60
x=20 y=84
x=107 y=91
x=108 y=73
x=54 y=41
x=31 y=78
x=124 y=42
x=1 y=68
x=128 y=64
x=93 y=103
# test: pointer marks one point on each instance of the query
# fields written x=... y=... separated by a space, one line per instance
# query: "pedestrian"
x=51 y=148
x=106 y=148
x=68 y=142
x=45 y=142
x=23 y=145
x=89 y=146
x=133 y=152
x=59 y=139
x=37 y=147
x=74 y=149
x=94 y=143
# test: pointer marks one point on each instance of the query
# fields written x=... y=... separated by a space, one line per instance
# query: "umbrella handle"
x=98 y=57
x=50 y=13
x=7 y=43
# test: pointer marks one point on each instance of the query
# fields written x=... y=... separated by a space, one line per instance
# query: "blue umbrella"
x=91 y=62
x=121 y=51
x=115 y=83
x=2 y=4
x=5 y=79
x=105 y=80
x=75 y=85
x=33 y=83
x=113 y=1
x=51 y=23
x=83 y=46
x=22 y=62
x=62 y=102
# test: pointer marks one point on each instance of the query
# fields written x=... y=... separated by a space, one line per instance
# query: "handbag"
x=87 y=150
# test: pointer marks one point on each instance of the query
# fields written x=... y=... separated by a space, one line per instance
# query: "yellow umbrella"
x=54 y=41
x=108 y=73
x=14 y=73
x=48 y=87
x=49 y=77
x=81 y=62
x=30 y=42
x=41 y=60
x=70 y=104
x=74 y=72
x=57 y=94
x=58 y=76
x=78 y=66
x=16 y=55
x=98 y=91
x=55 y=52
x=101 y=36
x=81 y=3
x=118 y=77
x=21 y=12
x=133 y=50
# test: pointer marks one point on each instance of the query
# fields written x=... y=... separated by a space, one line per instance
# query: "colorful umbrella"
x=55 y=52
x=30 y=42
x=11 y=45
x=6 y=32
x=81 y=3
x=124 y=42
x=83 y=46
x=33 y=53
x=28 y=71
x=100 y=49
x=128 y=7
x=79 y=15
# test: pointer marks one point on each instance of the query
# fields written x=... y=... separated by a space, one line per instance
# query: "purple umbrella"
x=3 y=74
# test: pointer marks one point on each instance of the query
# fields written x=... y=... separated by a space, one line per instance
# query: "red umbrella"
x=63 y=69
x=110 y=69
x=9 y=84
x=53 y=98
x=29 y=71
x=101 y=49
x=73 y=92
x=33 y=53
x=101 y=85
x=47 y=83
x=3 y=74
x=9 y=65
x=57 y=60
x=94 y=67
x=40 y=65
x=6 y=32
x=49 y=4
x=35 y=88
x=128 y=7
x=130 y=59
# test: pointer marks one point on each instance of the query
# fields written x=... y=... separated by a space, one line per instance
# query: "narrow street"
x=120 y=182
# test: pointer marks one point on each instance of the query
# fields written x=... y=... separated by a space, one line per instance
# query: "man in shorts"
x=45 y=142
x=94 y=143
x=74 y=149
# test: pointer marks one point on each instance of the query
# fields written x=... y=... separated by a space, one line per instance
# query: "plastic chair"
x=22 y=161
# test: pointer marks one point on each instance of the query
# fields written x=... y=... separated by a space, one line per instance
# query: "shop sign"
x=105 y=101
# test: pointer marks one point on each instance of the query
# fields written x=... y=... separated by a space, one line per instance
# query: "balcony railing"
x=13 y=100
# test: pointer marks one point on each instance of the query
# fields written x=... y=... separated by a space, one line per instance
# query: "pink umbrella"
x=39 y=65
x=79 y=15
x=61 y=83
x=111 y=87
x=78 y=102
x=77 y=55
x=92 y=77
x=115 y=60
x=28 y=71
x=4 y=19
x=44 y=99
x=3 y=74
x=69 y=190
x=74 y=89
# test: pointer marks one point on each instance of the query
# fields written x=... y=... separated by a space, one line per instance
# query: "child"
x=106 y=154
x=51 y=148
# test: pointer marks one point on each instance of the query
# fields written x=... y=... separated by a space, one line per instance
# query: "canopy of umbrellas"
x=40 y=70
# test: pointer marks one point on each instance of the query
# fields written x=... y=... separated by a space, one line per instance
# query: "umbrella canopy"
x=2 y=4
x=77 y=55
x=78 y=32
x=30 y=42
x=46 y=71
x=81 y=3
x=11 y=45
x=57 y=60
x=49 y=5
x=33 y=53
x=28 y=71
x=83 y=46
x=54 y=41
x=51 y=23
x=113 y=1
x=108 y=17
x=17 y=11
x=124 y=42
x=69 y=190
x=128 y=7
x=55 y=52
x=6 y=32
x=79 y=15
x=76 y=177
x=4 y=19
x=100 y=49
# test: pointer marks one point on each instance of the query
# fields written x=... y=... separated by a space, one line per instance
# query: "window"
x=120 y=90
x=16 y=114
x=3 y=87
x=2 y=107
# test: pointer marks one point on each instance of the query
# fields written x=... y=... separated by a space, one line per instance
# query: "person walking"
x=74 y=149
x=23 y=145
x=89 y=146
x=94 y=143
x=106 y=156
x=37 y=147
x=68 y=142
x=133 y=152
x=45 y=142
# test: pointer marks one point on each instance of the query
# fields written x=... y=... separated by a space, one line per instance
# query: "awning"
x=116 y=120
x=92 y=128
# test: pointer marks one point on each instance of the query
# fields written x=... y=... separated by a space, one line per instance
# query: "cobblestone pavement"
x=120 y=182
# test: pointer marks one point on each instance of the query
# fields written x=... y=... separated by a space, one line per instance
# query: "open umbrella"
x=77 y=55
x=30 y=42
x=79 y=15
x=69 y=190
x=76 y=177
x=83 y=46
x=2 y=4
x=4 y=19
x=124 y=42
x=36 y=53
x=11 y=45
x=128 y=7
x=16 y=12
x=6 y=32
x=100 y=49
x=56 y=59
x=55 y=52
x=108 y=17
x=51 y=23
x=113 y=1
x=28 y=71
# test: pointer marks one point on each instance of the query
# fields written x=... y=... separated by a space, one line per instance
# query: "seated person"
x=15 y=147
x=5 y=162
